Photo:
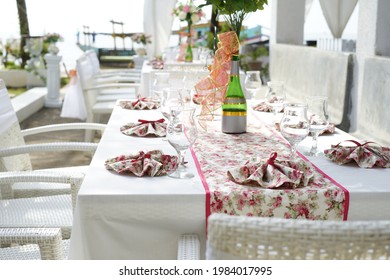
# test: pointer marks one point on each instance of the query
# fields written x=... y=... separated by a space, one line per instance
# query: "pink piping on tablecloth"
x=205 y=185
x=346 y=192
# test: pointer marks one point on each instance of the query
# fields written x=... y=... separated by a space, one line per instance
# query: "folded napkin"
x=273 y=173
x=262 y=107
x=157 y=63
x=366 y=155
x=145 y=128
x=152 y=163
x=329 y=130
x=140 y=104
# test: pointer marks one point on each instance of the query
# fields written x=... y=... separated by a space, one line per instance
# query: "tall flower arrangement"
x=189 y=13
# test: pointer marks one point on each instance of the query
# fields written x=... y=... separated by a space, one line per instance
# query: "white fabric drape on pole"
x=158 y=23
x=337 y=14
x=308 y=5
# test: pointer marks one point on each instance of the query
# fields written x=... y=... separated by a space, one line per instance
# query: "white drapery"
x=158 y=23
x=337 y=14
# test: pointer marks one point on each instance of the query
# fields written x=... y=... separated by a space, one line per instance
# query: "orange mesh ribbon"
x=212 y=88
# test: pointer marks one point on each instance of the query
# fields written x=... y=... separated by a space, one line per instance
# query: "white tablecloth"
x=124 y=217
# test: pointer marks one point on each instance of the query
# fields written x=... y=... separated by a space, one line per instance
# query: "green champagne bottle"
x=234 y=108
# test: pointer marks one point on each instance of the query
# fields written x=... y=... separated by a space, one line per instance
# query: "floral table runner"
x=216 y=152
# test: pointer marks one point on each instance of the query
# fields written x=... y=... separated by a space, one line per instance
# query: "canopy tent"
x=337 y=14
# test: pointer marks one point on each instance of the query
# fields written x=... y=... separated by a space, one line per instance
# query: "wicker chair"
x=33 y=244
x=14 y=152
x=241 y=237
x=55 y=211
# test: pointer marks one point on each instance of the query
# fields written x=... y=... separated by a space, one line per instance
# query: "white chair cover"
x=74 y=104
x=7 y=114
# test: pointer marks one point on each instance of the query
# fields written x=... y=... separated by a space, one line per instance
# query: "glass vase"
x=188 y=56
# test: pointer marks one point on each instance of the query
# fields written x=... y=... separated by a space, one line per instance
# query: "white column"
x=288 y=18
x=372 y=39
x=53 y=81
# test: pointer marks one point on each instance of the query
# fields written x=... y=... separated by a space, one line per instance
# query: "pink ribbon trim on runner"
x=346 y=192
x=205 y=185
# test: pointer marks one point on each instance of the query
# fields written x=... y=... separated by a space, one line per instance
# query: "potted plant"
x=51 y=39
x=142 y=39
x=256 y=59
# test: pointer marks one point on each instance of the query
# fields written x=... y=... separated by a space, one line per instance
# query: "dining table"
x=123 y=216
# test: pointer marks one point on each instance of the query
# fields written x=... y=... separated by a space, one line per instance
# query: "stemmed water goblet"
x=170 y=97
x=275 y=97
x=294 y=125
x=318 y=120
x=181 y=134
x=252 y=83
x=160 y=82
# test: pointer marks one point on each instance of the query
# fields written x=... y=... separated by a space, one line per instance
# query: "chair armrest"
x=113 y=86
x=45 y=176
x=116 y=79
x=65 y=126
x=48 y=147
x=122 y=72
x=48 y=240
x=73 y=178
x=188 y=247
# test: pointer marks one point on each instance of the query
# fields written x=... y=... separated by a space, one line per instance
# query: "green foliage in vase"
x=235 y=11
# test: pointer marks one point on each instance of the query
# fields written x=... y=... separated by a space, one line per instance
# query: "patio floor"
x=47 y=116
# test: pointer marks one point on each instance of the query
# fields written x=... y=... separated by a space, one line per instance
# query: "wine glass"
x=170 y=97
x=160 y=82
x=275 y=97
x=318 y=120
x=252 y=83
x=294 y=125
x=181 y=134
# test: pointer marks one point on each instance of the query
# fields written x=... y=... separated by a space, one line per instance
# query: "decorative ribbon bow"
x=215 y=84
x=139 y=100
x=153 y=123
x=272 y=157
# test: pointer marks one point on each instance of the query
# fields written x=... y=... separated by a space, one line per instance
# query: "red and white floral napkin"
x=273 y=173
x=140 y=104
x=366 y=155
x=262 y=107
x=145 y=128
x=152 y=163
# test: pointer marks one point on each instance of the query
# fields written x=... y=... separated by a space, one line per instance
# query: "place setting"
x=141 y=103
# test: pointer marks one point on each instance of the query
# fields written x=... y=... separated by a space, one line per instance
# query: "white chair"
x=33 y=244
x=59 y=187
x=14 y=153
x=55 y=211
x=111 y=75
x=100 y=99
x=242 y=237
